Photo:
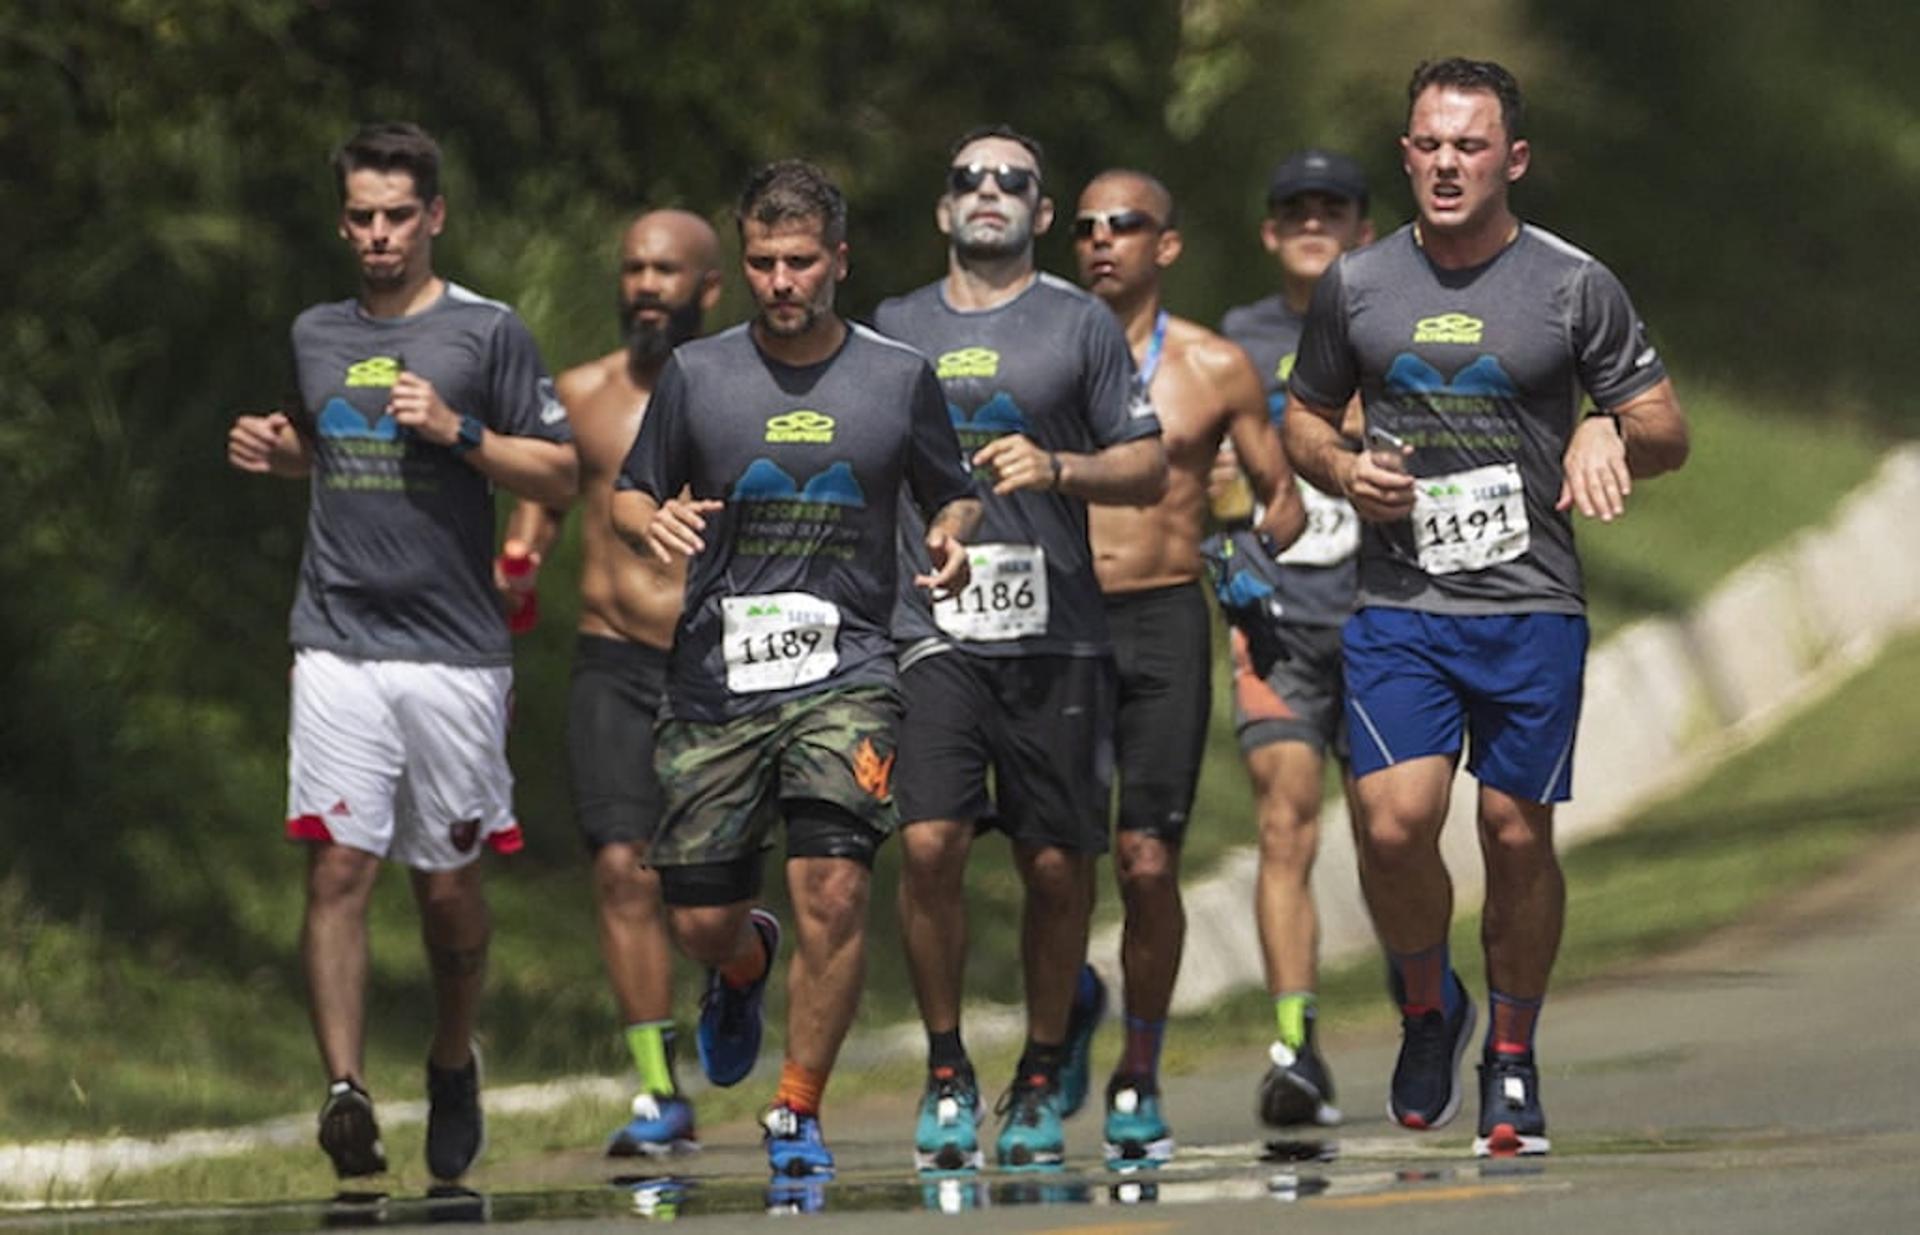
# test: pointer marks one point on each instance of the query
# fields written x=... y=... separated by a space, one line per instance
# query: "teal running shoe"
x=947 y=1137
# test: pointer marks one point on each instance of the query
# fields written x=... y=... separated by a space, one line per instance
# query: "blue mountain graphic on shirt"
x=999 y=414
x=1409 y=374
x=766 y=481
x=340 y=418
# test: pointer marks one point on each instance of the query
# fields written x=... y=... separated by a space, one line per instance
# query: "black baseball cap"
x=1323 y=171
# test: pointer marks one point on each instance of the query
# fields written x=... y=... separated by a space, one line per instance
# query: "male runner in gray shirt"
x=801 y=439
x=1470 y=337
x=418 y=396
x=1013 y=673
x=1286 y=610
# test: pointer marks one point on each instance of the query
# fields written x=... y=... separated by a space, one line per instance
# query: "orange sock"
x=749 y=965
x=800 y=1089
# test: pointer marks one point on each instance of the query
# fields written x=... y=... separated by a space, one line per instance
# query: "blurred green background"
x=165 y=210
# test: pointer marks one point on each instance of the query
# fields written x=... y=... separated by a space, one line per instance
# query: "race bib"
x=778 y=640
x=1006 y=598
x=1470 y=520
x=1332 y=535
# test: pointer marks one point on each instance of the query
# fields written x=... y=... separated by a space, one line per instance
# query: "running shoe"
x=796 y=1196
x=1031 y=1137
x=456 y=1131
x=662 y=1124
x=1426 y=1079
x=349 y=1133
x=730 y=1020
x=1511 y=1121
x=794 y=1147
x=1076 y=1074
x=947 y=1136
x=1137 y=1134
x=1298 y=1088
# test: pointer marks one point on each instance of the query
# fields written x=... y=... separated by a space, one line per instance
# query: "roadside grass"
x=110 y=1029
x=1773 y=819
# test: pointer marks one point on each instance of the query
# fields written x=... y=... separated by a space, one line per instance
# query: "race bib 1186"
x=1005 y=599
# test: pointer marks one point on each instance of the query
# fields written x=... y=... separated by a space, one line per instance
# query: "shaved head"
x=692 y=236
x=1142 y=190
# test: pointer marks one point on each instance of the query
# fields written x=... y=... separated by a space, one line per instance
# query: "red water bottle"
x=517 y=567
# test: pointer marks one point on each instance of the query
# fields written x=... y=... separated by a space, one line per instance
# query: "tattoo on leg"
x=458 y=962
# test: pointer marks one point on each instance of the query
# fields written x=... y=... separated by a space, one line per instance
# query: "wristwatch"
x=1613 y=416
x=471 y=431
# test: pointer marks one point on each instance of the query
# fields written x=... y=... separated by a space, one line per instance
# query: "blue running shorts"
x=1511 y=681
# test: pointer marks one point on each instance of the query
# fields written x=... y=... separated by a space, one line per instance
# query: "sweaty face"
x=1458 y=159
x=989 y=221
x=389 y=228
x=1308 y=230
x=660 y=290
x=1117 y=230
x=791 y=273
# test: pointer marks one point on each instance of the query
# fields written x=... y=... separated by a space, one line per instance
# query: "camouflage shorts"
x=724 y=783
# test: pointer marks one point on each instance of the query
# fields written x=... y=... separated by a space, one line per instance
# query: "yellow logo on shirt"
x=968 y=362
x=374 y=371
x=1284 y=369
x=803 y=425
x=1449 y=328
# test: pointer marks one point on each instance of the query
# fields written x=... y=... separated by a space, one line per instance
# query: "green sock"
x=1293 y=1009
x=650 y=1042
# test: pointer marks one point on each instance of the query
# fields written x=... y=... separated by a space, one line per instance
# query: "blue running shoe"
x=730 y=1020
x=1031 y=1139
x=1076 y=1074
x=947 y=1137
x=1425 y=1093
x=794 y=1147
x=1137 y=1134
x=662 y=1124
x=1511 y=1121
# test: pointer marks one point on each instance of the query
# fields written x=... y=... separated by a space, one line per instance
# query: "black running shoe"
x=456 y=1130
x=349 y=1133
x=1297 y=1089
x=1511 y=1121
x=1426 y=1080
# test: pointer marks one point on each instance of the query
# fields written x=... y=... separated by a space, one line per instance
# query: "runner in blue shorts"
x=1470 y=337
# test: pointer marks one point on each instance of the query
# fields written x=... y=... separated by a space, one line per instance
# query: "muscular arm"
x=529 y=467
x=1256 y=443
x=1124 y=474
x=1600 y=463
x=1318 y=452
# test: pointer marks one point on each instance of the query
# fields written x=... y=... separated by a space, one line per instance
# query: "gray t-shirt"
x=398 y=561
x=1051 y=364
x=794 y=591
x=1480 y=371
x=1316 y=584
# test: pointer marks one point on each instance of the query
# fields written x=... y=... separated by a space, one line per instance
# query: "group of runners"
x=944 y=574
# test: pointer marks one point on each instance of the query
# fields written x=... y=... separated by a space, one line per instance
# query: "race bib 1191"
x=1470 y=520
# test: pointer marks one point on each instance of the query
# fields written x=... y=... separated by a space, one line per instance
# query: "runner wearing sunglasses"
x=1148 y=562
x=1014 y=673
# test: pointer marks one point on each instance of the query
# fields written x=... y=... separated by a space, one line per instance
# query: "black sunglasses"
x=1118 y=223
x=1014 y=180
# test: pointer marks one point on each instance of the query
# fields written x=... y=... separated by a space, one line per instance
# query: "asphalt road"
x=1767 y=1079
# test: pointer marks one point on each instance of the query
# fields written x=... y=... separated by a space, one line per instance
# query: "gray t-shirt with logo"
x=794 y=591
x=1315 y=580
x=1051 y=364
x=1481 y=371
x=399 y=553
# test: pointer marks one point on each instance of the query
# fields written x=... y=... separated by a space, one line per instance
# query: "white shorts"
x=399 y=758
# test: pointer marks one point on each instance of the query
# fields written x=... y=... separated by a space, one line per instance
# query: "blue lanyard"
x=1151 y=365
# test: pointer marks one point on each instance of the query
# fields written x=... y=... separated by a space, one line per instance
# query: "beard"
x=809 y=316
x=649 y=345
x=988 y=244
